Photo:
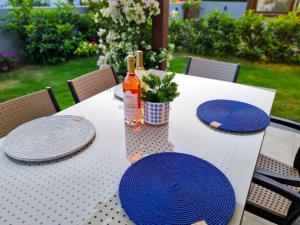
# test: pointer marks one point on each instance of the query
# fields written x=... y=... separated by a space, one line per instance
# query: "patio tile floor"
x=280 y=144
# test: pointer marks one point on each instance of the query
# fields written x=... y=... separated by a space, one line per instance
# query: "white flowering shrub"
x=125 y=27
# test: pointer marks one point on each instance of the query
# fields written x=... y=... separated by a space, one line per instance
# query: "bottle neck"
x=130 y=64
x=139 y=60
x=140 y=68
x=130 y=73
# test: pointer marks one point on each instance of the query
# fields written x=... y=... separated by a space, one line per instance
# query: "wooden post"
x=160 y=29
x=251 y=4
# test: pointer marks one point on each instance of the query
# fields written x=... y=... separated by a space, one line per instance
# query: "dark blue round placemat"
x=233 y=116
x=174 y=188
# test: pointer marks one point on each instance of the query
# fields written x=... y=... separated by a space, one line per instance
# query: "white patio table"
x=83 y=188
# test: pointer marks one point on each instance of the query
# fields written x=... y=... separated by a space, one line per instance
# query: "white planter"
x=156 y=113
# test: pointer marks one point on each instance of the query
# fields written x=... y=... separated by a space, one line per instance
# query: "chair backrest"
x=90 y=84
x=212 y=69
x=23 y=109
x=293 y=127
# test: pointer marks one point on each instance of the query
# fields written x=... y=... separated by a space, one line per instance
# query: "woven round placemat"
x=48 y=138
x=174 y=188
x=233 y=116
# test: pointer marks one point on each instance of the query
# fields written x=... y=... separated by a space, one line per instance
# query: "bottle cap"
x=130 y=63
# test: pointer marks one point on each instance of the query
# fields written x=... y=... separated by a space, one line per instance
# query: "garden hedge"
x=253 y=36
x=49 y=35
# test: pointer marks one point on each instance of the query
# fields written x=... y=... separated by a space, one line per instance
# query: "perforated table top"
x=82 y=188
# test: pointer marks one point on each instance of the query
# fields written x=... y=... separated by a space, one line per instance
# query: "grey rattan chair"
x=270 y=196
x=212 y=69
x=23 y=109
x=90 y=84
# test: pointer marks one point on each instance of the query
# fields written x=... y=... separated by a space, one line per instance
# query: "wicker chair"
x=23 y=109
x=90 y=84
x=212 y=69
x=274 y=190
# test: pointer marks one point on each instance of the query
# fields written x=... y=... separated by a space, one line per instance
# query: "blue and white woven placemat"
x=233 y=116
x=175 y=188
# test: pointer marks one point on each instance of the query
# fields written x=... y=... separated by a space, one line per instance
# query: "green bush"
x=49 y=35
x=251 y=32
x=47 y=41
x=284 y=39
x=216 y=35
x=252 y=36
x=87 y=27
x=183 y=34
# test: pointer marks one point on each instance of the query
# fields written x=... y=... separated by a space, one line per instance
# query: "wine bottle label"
x=130 y=105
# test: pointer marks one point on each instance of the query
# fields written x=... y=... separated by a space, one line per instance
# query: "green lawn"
x=30 y=78
x=284 y=78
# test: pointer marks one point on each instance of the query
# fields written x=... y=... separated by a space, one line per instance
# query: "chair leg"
x=264 y=214
x=293 y=214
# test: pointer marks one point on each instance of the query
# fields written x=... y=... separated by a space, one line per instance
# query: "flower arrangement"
x=126 y=26
x=86 y=48
x=7 y=61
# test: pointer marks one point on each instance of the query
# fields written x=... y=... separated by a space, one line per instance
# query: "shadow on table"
x=146 y=140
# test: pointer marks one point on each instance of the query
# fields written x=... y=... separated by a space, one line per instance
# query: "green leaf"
x=159 y=90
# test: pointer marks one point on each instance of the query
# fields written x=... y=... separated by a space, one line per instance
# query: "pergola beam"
x=160 y=27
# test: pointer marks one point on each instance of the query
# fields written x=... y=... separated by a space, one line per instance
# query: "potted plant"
x=157 y=95
x=191 y=9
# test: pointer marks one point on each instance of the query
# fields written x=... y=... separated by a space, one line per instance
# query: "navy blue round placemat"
x=174 y=188
x=233 y=116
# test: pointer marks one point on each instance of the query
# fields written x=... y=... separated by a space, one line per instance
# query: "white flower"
x=140 y=15
x=174 y=13
x=120 y=37
x=115 y=14
x=102 y=47
x=147 y=3
x=110 y=37
x=101 y=32
x=154 y=8
x=105 y=12
x=126 y=3
x=101 y=61
x=148 y=47
x=129 y=13
x=96 y=18
x=113 y=3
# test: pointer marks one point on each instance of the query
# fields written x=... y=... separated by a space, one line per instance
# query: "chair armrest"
x=276 y=187
x=284 y=179
x=285 y=122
